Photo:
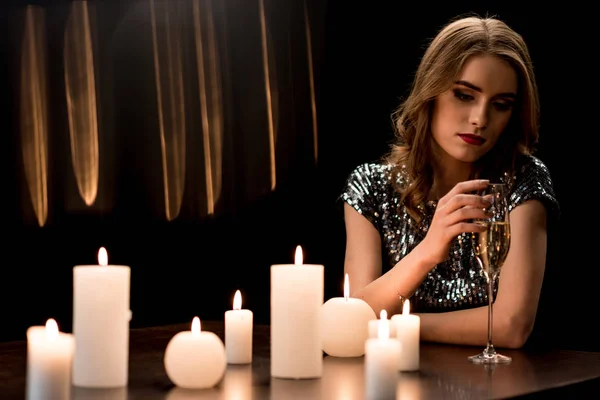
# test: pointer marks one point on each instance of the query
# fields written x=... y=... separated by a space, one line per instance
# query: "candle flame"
x=383 y=314
x=196 y=326
x=51 y=329
x=298 y=259
x=102 y=257
x=346 y=287
x=237 y=300
x=383 y=331
x=406 y=307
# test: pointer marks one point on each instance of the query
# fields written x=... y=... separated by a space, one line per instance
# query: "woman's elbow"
x=516 y=330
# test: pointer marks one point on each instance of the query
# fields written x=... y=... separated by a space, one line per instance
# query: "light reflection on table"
x=79 y=393
x=343 y=379
x=444 y=372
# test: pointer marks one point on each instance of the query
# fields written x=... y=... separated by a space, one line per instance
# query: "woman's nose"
x=479 y=116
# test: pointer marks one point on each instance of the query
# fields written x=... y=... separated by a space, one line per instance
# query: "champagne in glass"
x=491 y=248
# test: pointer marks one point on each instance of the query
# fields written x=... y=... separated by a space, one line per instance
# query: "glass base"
x=489 y=356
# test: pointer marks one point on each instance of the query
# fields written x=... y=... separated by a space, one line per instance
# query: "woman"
x=471 y=117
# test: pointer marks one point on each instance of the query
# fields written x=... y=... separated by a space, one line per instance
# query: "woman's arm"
x=363 y=266
x=454 y=214
x=519 y=289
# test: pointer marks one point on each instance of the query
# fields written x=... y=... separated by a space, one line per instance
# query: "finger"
x=465 y=200
x=471 y=186
x=464 y=187
x=466 y=214
x=466 y=227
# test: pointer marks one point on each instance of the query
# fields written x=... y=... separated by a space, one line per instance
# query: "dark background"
x=363 y=58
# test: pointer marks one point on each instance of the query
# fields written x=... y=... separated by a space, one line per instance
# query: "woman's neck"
x=447 y=174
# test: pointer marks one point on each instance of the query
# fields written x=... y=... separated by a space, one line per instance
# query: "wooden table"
x=444 y=373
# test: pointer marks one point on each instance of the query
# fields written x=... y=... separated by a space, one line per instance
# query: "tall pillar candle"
x=101 y=324
x=296 y=300
x=49 y=362
x=408 y=331
x=238 y=332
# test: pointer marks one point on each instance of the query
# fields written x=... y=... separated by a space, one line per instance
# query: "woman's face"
x=469 y=118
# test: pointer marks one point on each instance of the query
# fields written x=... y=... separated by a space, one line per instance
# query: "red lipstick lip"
x=474 y=140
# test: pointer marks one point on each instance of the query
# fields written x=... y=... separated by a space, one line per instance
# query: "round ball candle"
x=195 y=359
x=49 y=362
x=381 y=362
x=408 y=330
x=238 y=333
x=296 y=300
x=344 y=324
x=101 y=318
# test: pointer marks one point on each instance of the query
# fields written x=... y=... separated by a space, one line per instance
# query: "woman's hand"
x=453 y=215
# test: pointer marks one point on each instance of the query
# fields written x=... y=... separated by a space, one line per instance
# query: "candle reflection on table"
x=82 y=393
x=343 y=378
x=409 y=386
x=179 y=393
x=237 y=384
x=292 y=389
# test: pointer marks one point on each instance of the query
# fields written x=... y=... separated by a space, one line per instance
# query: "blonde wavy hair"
x=439 y=68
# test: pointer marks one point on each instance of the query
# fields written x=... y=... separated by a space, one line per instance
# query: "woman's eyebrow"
x=478 y=89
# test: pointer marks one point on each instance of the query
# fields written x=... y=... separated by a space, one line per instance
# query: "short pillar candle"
x=49 y=362
x=238 y=332
x=408 y=330
x=381 y=362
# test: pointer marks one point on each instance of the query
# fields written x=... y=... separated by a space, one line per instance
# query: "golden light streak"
x=269 y=95
x=311 y=75
x=81 y=101
x=34 y=112
x=171 y=113
x=210 y=106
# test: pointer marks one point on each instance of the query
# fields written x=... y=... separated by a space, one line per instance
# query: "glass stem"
x=490 y=311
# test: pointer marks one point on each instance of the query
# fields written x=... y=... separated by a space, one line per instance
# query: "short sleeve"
x=533 y=181
x=360 y=191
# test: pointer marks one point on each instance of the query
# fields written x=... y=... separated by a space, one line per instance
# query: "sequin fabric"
x=457 y=283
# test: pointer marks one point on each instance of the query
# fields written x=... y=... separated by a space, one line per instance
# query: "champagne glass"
x=491 y=247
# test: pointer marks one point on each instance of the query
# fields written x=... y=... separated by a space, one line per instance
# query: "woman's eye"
x=503 y=106
x=462 y=96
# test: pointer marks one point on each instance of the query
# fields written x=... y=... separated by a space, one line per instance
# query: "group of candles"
x=303 y=327
x=197 y=359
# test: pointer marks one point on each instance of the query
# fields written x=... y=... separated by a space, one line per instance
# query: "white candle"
x=408 y=330
x=195 y=359
x=238 y=332
x=296 y=300
x=49 y=362
x=344 y=324
x=374 y=327
x=101 y=324
x=381 y=362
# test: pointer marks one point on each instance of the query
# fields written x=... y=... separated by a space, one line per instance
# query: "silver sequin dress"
x=458 y=282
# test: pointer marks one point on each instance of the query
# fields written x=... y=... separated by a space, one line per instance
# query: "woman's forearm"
x=402 y=280
x=469 y=327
